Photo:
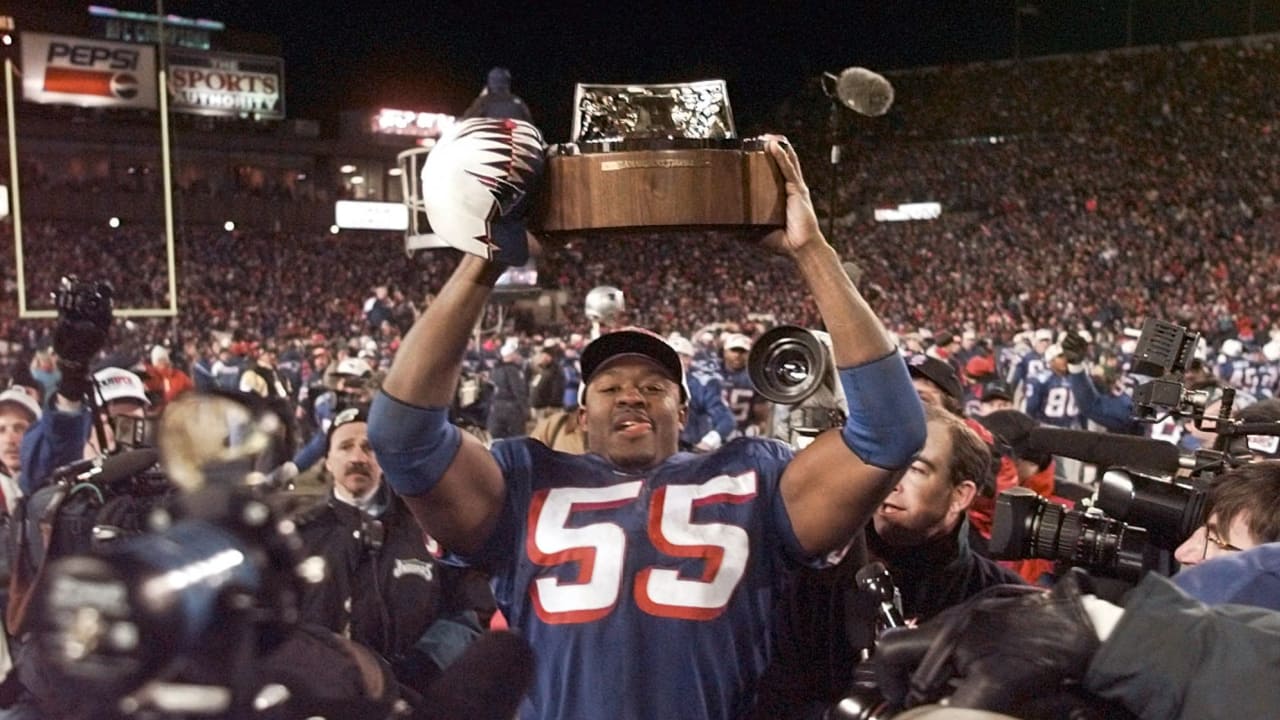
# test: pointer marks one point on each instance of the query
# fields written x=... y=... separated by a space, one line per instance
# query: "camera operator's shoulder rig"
x=1164 y=353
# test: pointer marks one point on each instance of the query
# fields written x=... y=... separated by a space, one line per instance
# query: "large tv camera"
x=1149 y=498
x=175 y=621
x=1134 y=516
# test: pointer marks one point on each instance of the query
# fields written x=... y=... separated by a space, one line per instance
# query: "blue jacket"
x=707 y=409
x=56 y=439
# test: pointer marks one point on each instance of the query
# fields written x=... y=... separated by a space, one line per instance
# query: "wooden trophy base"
x=634 y=189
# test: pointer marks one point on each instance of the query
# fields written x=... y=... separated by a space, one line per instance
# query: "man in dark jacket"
x=384 y=587
x=546 y=394
x=509 y=409
x=920 y=534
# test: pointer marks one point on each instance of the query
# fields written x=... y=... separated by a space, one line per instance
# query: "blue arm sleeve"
x=311 y=453
x=56 y=439
x=414 y=445
x=1084 y=390
x=1112 y=412
x=886 y=419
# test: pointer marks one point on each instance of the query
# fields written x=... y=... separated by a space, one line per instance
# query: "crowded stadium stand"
x=1084 y=191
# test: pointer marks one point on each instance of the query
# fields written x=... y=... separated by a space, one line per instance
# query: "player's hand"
x=84 y=318
x=1074 y=348
x=801 y=229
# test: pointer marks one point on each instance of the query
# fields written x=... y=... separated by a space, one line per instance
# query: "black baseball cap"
x=996 y=391
x=353 y=413
x=632 y=341
x=938 y=372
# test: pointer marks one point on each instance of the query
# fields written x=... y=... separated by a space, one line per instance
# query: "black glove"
x=84 y=317
x=1001 y=650
x=1074 y=348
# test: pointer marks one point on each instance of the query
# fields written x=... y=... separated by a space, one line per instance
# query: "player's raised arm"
x=448 y=478
x=833 y=485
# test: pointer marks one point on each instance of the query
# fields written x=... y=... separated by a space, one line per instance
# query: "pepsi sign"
x=64 y=70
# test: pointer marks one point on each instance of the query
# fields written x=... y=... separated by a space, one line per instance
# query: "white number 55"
x=599 y=549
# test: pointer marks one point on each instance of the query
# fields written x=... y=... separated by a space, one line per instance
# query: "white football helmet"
x=475 y=185
x=604 y=304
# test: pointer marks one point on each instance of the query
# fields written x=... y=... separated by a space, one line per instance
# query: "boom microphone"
x=1106 y=449
x=874 y=578
x=860 y=90
x=486 y=683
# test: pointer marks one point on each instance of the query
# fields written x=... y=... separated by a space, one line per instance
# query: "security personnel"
x=384 y=586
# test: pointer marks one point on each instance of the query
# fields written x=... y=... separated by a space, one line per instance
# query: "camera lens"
x=1028 y=526
x=789 y=366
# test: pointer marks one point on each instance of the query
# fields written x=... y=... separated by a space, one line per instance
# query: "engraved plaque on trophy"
x=648 y=156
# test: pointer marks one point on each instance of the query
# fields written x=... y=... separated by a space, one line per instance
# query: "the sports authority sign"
x=226 y=84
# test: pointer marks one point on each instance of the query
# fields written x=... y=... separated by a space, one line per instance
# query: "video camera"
x=1134 y=516
x=796 y=367
x=1149 y=499
x=170 y=623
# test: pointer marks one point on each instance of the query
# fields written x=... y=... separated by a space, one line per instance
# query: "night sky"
x=433 y=56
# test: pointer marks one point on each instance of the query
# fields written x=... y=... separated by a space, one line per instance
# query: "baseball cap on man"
x=996 y=390
x=938 y=372
x=14 y=396
x=681 y=345
x=737 y=341
x=632 y=341
x=119 y=384
x=355 y=367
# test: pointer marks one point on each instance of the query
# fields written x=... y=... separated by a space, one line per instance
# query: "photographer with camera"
x=384 y=588
x=69 y=430
x=1241 y=512
x=200 y=617
x=920 y=534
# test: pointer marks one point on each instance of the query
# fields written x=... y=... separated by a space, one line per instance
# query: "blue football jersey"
x=707 y=409
x=739 y=393
x=1235 y=373
x=1031 y=365
x=1050 y=399
x=643 y=595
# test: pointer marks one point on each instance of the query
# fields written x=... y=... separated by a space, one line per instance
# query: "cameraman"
x=920 y=532
x=384 y=588
x=66 y=433
x=1242 y=511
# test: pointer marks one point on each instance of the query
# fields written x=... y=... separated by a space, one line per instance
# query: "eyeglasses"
x=1211 y=537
